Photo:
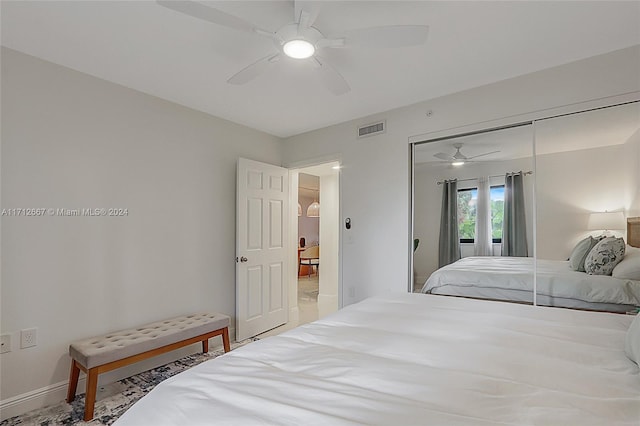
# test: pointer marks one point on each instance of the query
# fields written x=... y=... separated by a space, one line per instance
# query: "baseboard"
x=324 y=299
x=57 y=392
x=327 y=304
x=35 y=399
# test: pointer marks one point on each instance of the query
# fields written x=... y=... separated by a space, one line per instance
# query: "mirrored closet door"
x=491 y=221
x=473 y=215
x=587 y=185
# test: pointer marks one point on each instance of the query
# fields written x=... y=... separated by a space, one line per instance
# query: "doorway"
x=314 y=235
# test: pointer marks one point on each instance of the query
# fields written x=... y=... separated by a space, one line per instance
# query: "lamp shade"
x=606 y=221
x=299 y=210
x=313 y=210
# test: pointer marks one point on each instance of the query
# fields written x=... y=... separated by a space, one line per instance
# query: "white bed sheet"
x=511 y=278
x=415 y=359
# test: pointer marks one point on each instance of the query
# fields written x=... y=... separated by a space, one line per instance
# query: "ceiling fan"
x=302 y=41
x=458 y=158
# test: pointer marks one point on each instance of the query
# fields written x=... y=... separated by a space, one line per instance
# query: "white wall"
x=294 y=312
x=73 y=141
x=329 y=243
x=308 y=227
x=632 y=165
x=375 y=174
x=427 y=206
x=571 y=185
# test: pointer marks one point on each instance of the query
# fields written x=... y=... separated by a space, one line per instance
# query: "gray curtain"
x=449 y=249
x=514 y=226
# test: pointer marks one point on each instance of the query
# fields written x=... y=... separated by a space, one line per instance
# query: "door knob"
x=243 y=259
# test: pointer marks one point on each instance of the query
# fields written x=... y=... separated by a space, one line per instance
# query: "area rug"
x=109 y=408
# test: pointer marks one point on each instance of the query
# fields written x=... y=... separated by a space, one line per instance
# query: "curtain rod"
x=494 y=176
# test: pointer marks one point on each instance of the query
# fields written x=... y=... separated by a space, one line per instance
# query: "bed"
x=415 y=359
x=511 y=279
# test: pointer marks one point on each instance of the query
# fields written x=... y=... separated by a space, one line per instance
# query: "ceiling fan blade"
x=255 y=69
x=460 y=156
x=482 y=155
x=443 y=156
x=200 y=11
x=388 y=36
x=330 y=42
x=332 y=79
x=305 y=12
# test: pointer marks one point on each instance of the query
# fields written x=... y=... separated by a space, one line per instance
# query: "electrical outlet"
x=28 y=337
x=5 y=343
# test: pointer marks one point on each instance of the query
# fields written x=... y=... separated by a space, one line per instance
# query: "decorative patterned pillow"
x=580 y=252
x=604 y=256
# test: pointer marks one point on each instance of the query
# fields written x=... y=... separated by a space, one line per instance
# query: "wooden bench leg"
x=73 y=381
x=225 y=339
x=90 y=399
x=205 y=346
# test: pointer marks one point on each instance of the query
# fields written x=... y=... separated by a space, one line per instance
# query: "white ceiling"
x=511 y=143
x=146 y=47
x=593 y=129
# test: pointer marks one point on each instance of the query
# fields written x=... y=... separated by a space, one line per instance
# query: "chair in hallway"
x=310 y=258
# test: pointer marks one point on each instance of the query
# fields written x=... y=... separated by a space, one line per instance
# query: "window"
x=497 y=212
x=467 y=200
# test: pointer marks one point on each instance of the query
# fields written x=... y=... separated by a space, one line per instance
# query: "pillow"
x=604 y=256
x=632 y=341
x=629 y=267
x=580 y=252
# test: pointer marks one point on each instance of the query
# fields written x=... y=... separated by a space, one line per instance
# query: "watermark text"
x=65 y=212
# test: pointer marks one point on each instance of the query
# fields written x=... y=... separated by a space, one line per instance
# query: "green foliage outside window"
x=497 y=217
x=467 y=213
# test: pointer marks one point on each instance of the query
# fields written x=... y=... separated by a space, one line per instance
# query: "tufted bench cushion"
x=114 y=350
x=122 y=344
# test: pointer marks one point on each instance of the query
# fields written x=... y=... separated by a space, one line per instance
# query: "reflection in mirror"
x=587 y=185
x=473 y=215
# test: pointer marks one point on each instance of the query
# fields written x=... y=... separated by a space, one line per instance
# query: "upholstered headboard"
x=633 y=231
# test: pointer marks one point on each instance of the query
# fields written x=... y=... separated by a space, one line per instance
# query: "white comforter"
x=415 y=359
x=554 y=279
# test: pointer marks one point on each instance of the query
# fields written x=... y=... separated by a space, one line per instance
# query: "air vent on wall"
x=372 y=129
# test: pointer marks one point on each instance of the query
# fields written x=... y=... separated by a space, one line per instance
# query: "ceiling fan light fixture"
x=298 y=49
x=458 y=163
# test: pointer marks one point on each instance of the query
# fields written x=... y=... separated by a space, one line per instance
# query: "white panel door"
x=261 y=234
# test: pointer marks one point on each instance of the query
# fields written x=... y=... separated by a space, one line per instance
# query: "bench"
x=114 y=350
